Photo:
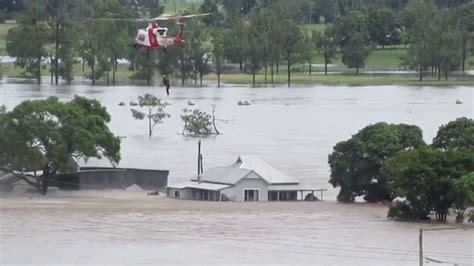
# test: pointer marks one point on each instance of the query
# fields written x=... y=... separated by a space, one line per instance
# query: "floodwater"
x=292 y=128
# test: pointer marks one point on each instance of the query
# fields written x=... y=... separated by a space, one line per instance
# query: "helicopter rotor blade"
x=180 y=17
x=119 y=19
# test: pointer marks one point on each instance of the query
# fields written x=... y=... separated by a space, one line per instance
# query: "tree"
x=326 y=44
x=155 y=111
x=218 y=49
x=383 y=26
x=426 y=178
x=307 y=50
x=216 y=19
x=326 y=9
x=43 y=135
x=290 y=40
x=63 y=36
x=355 y=52
x=146 y=62
x=355 y=164
x=419 y=31
x=236 y=42
x=464 y=194
x=353 y=38
x=458 y=134
x=255 y=48
x=29 y=55
x=112 y=36
x=196 y=122
x=271 y=44
x=198 y=52
x=465 y=25
x=446 y=53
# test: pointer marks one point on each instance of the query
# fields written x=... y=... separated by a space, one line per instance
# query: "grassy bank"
x=348 y=79
x=345 y=78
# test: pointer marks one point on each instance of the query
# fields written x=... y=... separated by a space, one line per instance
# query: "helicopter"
x=155 y=36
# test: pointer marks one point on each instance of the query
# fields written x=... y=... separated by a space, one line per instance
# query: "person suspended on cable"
x=166 y=82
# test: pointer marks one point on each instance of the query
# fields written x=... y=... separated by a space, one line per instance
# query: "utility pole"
x=420 y=248
x=199 y=158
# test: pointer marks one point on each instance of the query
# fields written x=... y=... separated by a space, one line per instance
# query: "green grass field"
x=3 y=35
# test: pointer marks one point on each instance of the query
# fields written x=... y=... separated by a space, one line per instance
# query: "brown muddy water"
x=294 y=129
x=129 y=228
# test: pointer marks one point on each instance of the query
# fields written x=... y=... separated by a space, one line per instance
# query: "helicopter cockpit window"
x=161 y=32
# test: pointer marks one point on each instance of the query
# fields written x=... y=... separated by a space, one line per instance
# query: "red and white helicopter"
x=156 y=36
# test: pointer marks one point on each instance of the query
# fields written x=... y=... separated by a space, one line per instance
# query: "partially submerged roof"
x=202 y=185
x=264 y=169
x=224 y=175
x=295 y=187
x=127 y=162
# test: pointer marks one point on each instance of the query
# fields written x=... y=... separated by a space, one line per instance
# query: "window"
x=251 y=194
x=177 y=194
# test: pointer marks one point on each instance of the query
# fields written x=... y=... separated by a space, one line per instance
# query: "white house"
x=250 y=178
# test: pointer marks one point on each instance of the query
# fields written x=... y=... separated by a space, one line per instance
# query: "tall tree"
x=308 y=49
x=289 y=43
x=154 y=111
x=256 y=47
x=29 y=55
x=236 y=42
x=457 y=134
x=63 y=36
x=383 y=26
x=43 y=135
x=198 y=52
x=326 y=44
x=465 y=25
x=419 y=28
x=352 y=32
x=218 y=37
x=355 y=164
x=425 y=177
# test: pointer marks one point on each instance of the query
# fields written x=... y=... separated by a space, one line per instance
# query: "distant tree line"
x=385 y=161
x=261 y=36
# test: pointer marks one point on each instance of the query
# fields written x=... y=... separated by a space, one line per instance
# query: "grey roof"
x=293 y=188
x=127 y=162
x=204 y=186
x=224 y=175
x=264 y=169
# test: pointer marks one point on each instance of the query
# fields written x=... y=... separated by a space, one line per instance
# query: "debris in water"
x=132 y=103
x=122 y=104
x=134 y=187
x=242 y=103
x=153 y=193
x=459 y=102
x=191 y=103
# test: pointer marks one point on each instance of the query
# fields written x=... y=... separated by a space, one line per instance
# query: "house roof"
x=224 y=175
x=264 y=169
x=197 y=185
x=127 y=162
x=295 y=187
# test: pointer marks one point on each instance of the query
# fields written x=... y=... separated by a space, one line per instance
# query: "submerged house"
x=250 y=178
